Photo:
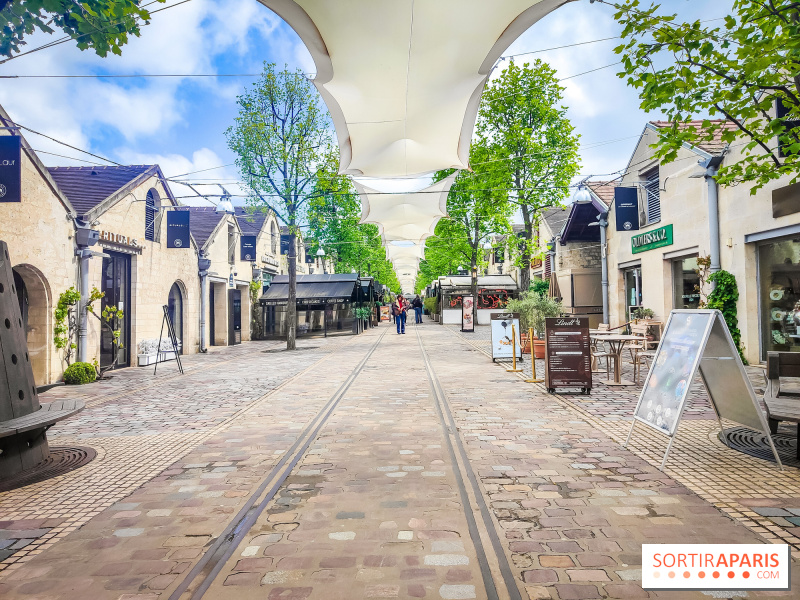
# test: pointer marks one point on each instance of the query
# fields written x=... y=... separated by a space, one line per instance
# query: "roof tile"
x=86 y=187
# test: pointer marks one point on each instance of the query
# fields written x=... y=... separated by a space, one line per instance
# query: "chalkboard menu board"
x=674 y=365
x=568 y=354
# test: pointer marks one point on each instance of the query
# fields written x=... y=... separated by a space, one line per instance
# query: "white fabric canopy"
x=409 y=217
x=405 y=217
x=402 y=78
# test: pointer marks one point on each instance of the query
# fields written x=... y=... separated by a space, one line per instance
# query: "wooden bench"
x=782 y=406
x=48 y=414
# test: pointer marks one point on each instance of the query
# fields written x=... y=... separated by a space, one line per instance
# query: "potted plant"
x=533 y=309
x=642 y=314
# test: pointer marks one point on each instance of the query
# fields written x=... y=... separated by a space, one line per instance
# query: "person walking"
x=417 y=304
x=399 y=312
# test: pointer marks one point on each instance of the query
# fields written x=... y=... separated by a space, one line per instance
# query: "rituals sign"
x=568 y=358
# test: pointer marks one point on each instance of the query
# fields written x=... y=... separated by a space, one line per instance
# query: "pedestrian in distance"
x=417 y=304
x=399 y=311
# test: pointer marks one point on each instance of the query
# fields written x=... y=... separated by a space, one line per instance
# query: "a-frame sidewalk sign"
x=697 y=341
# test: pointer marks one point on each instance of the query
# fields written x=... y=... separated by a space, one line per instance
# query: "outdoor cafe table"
x=616 y=342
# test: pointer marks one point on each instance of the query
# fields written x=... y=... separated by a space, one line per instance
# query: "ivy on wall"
x=723 y=298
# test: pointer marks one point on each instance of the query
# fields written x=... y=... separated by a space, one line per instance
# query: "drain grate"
x=61 y=461
x=755 y=444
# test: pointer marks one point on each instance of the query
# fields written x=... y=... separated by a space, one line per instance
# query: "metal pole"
x=83 y=315
x=713 y=219
x=604 y=265
x=533 y=378
x=514 y=368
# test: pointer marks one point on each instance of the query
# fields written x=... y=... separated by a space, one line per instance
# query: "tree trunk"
x=527 y=219
x=291 y=303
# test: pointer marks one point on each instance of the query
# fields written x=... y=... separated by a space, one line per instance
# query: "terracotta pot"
x=538 y=348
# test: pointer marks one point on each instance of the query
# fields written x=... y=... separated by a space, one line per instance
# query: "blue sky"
x=179 y=122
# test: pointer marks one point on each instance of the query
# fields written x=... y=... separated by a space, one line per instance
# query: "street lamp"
x=225 y=206
x=582 y=195
x=321 y=257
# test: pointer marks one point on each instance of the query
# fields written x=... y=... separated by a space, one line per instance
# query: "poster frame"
x=467 y=313
x=698 y=368
x=586 y=353
x=506 y=316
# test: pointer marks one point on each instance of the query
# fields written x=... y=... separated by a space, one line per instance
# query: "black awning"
x=311 y=289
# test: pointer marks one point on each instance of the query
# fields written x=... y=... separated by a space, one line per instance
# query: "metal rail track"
x=202 y=576
x=456 y=448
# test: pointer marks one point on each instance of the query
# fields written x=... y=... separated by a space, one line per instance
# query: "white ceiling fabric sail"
x=402 y=78
x=405 y=217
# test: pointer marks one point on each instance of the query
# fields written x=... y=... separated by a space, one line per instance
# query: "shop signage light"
x=657 y=238
x=10 y=168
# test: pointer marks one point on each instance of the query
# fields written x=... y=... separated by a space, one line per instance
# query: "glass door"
x=685 y=283
x=116 y=285
x=175 y=310
x=633 y=290
x=779 y=282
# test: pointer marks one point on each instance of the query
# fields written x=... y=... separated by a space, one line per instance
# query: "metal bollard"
x=514 y=369
x=533 y=361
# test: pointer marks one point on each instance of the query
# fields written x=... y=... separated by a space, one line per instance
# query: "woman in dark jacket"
x=417 y=304
x=399 y=312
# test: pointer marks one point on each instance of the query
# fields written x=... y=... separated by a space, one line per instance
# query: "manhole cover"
x=60 y=461
x=274 y=350
x=755 y=444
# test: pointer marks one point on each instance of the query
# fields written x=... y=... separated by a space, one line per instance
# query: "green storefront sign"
x=657 y=238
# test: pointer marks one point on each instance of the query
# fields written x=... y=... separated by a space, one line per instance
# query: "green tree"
x=531 y=139
x=746 y=71
x=477 y=206
x=282 y=138
x=102 y=25
x=333 y=218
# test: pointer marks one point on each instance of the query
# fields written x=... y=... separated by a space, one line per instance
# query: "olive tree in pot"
x=533 y=309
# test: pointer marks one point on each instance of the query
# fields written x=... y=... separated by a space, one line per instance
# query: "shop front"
x=115 y=284
x=779 y=294
x=325 y=305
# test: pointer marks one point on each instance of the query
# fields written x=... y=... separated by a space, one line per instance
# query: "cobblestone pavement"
x=379 y=466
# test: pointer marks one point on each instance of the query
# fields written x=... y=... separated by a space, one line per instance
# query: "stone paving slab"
x=373 y=509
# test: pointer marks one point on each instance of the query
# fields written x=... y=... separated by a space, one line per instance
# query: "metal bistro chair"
x=639 y=351
x=599 y=350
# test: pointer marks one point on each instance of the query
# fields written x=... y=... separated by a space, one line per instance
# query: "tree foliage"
x=533 y=143
x=282 y=139
x=742 y=71
x=102 y=25
x=477 y=206
x=333 y=219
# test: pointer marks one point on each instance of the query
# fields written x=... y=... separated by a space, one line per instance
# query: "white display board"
x=697 y=341
x=502 y=343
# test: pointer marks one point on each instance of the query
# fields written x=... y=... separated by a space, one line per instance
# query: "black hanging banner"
x=178 y=229
x=10 y=168
x=626 y=207
x=248 y=245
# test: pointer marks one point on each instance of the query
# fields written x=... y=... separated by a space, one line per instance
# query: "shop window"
x=652 y=194
x=151 y=206
x=633 y=290
x=779 y=282
x=686 y=283
x=793 y=133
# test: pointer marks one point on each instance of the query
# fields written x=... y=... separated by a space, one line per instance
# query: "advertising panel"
x=502 y=342
x=467 y=321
